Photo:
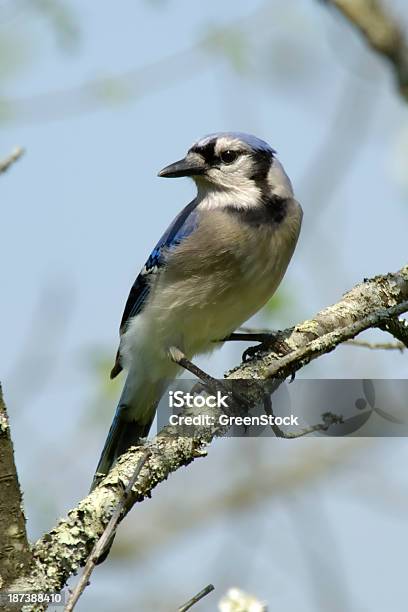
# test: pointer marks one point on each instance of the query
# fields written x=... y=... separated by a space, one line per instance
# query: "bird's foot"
x=267 y=342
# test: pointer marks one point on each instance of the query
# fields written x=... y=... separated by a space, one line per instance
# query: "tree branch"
x=8 y=161
x=15 y=554
x=60 y=553
x=398 y=329
x=368 y=304
x=328 y=419
x=374 y=346
x=191 y=602
x=107 y=535
x=381 y=31
x=300 y=357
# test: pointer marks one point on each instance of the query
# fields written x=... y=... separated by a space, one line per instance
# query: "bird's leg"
x=208 y=381
x=249 y=336
x=179 y=357
x=267 y=341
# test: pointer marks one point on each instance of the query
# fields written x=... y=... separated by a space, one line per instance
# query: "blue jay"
x=218 y=263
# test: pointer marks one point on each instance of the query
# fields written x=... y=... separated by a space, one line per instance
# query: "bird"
x=218 y=263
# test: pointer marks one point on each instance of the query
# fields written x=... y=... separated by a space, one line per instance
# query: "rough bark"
x=15 y=555
x=363 y=307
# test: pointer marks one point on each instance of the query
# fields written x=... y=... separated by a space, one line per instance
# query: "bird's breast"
x=219 y=277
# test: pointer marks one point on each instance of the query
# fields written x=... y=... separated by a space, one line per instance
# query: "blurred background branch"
x=382 y=32
x=191 y=602
x=385 y=346
x=8 y=161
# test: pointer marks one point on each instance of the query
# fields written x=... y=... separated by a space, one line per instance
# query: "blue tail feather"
x=132 y=421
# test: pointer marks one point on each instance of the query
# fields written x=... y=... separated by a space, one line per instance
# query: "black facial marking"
x=207 y=151
x=273 y=210
x=262 y=161
x=277 y=208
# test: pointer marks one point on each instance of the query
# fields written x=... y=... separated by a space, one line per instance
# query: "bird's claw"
x=274 y=342
x=250 y=352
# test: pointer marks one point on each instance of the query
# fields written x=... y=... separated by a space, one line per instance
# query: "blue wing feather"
x=182 y=226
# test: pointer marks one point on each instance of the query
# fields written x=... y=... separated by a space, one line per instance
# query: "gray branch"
x=373 y=303
x=61 y=552
x=107 y=535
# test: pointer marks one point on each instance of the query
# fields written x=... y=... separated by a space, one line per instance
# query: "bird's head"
x=234 y=162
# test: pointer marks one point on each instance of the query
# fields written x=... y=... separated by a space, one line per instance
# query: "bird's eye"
x=227 y=157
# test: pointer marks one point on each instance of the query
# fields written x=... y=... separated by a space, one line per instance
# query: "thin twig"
x=99 y=547
x=386 y=346
x=190 y=603
x=328 y=419
x=8 y=161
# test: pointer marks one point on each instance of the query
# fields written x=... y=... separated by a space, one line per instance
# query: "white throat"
x=212 y=197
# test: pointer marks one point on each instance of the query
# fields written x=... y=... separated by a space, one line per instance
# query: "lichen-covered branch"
x=382 y=31
x=15 y=554
x=106 y=538
x=60 y=553
x=373 y=303
x=328 y=342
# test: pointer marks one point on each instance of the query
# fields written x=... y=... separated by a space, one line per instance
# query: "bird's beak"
x=184 y=167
